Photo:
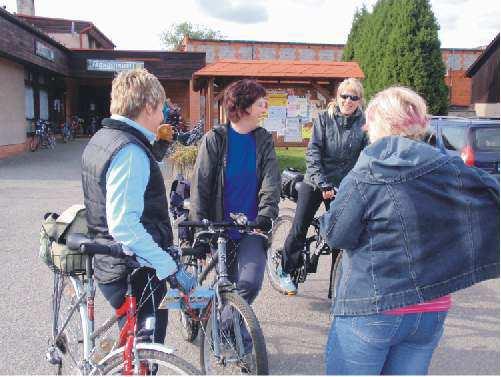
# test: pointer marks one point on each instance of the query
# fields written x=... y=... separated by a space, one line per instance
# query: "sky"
x=137 y=25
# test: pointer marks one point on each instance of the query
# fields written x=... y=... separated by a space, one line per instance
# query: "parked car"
x=475 y=140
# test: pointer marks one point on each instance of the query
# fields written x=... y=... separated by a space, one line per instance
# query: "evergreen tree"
x=397 y=44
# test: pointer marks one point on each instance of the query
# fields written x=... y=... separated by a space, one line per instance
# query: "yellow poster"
x=306 y=130
x=277 y=99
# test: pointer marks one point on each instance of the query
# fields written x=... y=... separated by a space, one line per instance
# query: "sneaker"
x=286 y=282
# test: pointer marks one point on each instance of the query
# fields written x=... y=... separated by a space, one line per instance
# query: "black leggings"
x=115 y=292
x=309 y=199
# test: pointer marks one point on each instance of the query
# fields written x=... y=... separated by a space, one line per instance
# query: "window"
x=29 y=103
x=44 y=105
x=430 y=138
x=454 y=138
x=486 y=138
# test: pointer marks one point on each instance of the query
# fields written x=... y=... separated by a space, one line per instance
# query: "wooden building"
x=45 y=74
x=484 y=73
x=311 y=79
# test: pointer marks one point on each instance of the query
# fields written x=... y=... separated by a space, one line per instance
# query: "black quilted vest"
x=96 y=159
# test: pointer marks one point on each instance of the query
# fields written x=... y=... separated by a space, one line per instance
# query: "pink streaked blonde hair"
x=398 y=111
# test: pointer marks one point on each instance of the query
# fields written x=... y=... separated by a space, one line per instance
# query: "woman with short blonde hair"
x=405 y=216
x=132 y=90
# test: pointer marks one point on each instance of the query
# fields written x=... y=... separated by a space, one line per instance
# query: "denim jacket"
x=415 y=225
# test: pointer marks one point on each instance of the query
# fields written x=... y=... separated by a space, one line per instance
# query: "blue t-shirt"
x=240 y=182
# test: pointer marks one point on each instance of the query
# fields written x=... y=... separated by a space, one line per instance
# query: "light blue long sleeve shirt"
x=126 y=181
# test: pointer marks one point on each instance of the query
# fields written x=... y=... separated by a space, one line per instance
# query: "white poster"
x=292 y=106
x=303 y=107
x=292 y=131
x=277 y=112
x=274 y=124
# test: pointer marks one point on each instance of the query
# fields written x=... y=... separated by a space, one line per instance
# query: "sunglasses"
x=346 y=96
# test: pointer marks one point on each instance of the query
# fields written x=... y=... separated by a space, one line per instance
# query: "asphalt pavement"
x=295 y=327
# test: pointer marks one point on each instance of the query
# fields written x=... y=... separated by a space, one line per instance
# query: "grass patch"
x=291 y=157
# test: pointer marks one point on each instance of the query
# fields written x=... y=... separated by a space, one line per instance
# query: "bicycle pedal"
x=52 y=356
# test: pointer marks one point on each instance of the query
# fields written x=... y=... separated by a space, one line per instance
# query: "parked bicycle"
x=43 y=136
x=193 y=136
x=67 y=132
x=231 y=339
x=313 y=247
x=77 y=125
x=74 y=346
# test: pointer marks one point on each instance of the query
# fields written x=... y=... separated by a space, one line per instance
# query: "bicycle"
x=43 y=136
x=74 y=338
x=67 y=132
x=313 y=247
x=237 y=345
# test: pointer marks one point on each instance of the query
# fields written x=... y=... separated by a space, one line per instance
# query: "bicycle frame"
x=127 y=340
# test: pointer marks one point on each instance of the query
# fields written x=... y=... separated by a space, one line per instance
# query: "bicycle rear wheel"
x=51 y=141
x=70 y=342
x=281 y=228
x=34 y=143
x=157 y=362
x=241 y=340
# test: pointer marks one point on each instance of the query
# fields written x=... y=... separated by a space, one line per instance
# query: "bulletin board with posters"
x=290 y=116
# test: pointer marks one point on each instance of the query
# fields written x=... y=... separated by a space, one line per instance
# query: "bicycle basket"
x=290 y=177
x=53 y=250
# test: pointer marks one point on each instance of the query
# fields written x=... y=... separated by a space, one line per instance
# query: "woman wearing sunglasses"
x=334 y=147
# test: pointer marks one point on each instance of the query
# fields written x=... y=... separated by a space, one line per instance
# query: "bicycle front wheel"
x=189 y=327
x=69 y=339
x=281 y=228
x=153 y=362
x=241 y=346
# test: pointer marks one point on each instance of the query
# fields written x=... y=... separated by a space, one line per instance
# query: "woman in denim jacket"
x=416 y=226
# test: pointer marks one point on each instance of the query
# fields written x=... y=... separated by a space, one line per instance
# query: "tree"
x=173 y=37
x=397 y=44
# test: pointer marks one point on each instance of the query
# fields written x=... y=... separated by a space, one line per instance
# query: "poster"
x=303 y=107
x=271 y=124
x=292 y=107
x=277 y=112
x=277 y=99
x=306 y=130
x=292 y=130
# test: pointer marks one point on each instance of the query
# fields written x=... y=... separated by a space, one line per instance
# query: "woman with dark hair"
x=237 y=172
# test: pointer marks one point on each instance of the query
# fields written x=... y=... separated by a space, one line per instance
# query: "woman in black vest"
x=125 y=197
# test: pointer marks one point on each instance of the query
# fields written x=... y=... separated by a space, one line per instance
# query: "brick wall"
x=456 y=60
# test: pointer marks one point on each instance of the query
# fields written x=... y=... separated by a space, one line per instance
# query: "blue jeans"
x=246 y=268
x=383 y=344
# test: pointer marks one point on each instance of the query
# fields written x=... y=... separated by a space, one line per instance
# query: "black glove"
x=159 y=149
x=263 y=223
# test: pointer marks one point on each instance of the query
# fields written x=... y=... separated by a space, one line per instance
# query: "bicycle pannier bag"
x=55 y=229
x=290 y=177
